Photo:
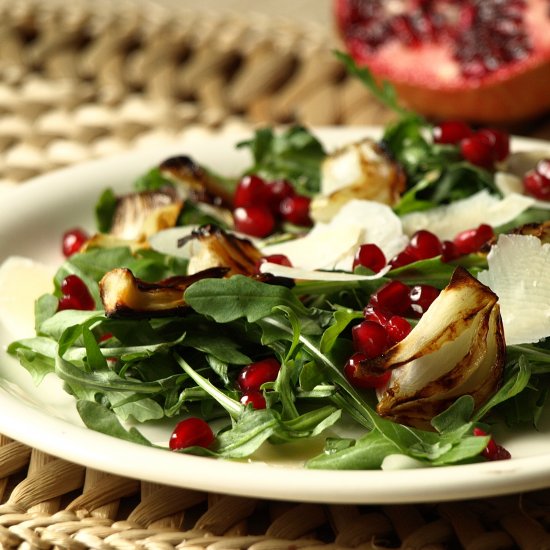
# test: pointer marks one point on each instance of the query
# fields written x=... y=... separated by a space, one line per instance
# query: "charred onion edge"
x=202 y=187
x=124 y=295
x=237 y=254
x=381 y=364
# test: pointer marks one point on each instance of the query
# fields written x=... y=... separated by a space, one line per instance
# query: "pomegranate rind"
x=427 y=79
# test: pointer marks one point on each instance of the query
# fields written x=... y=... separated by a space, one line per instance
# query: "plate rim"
x=83 y=446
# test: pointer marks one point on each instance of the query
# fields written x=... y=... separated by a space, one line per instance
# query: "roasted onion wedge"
x=361 y=170
x=457 y=348
x=124 y=295
x=217 y=248
x=138 y=215
x=197 y=183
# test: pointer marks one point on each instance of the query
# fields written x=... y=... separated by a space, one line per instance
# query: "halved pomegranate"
x=479 y=60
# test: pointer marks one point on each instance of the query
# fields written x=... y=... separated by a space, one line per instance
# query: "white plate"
x=32 y=219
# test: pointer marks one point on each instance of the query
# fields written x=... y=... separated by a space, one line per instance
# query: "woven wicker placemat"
x=78 y=83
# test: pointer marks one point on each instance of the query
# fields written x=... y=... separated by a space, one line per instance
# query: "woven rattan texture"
x=77 y=84
x=49 y=503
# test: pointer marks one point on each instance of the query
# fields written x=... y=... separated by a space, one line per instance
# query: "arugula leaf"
x=105 y=210
x=294 y=155
x=226 y=300
x=99 y=418
x=384 y=92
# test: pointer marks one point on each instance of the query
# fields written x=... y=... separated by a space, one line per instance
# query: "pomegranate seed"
x=370 y=256
x=424 y=245
x=73 y=240
x=398 y=328
x=295 y=210
x=251 y=191
x=278 y=191
x=422 y=297
x=449 y=251
x=253 y=376
x=370 y=338
x=254 y=398
x=451 y=132
x=478 y=149
x=75 y=294
x=371 y=313
x=353 y=373
x=471 y=240
x=257 y=221
x=279 y=259
x=537 y=181
x=393 y=296
x=500 y=141
x=68 y=302
x=493 y=451
x=191 y=432
x=402 y=259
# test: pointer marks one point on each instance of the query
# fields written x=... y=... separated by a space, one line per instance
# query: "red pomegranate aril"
x=73 y=240
x=295 y=209
x=536 y=182
x=370 y=338
x=279 y=259
x=471 y=240
x=257 y=221
x=402 y=259
x=370 y=256
x=423 y=245
x=398 y=328
x=493 y=451
x=422 y=297
x=478 y=150
x=76 y=294
x=253 y=376
x=449 y=251
x=451 y=132
x=191 y=432
x=371 y=313
x=278 y=191
x=251 y=191
x=255 y=398
x=352 y=371
x=393 y=296
x=68 y=302
x=500 y=141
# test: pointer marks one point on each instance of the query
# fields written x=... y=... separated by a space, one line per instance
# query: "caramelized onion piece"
x=361 y=170
x=138 y=215
x=197 y=183
x=457 y=348
x=539 y=230
x=124 y=295
x=216 y=248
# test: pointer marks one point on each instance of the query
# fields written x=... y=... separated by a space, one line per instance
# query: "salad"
x=389 y=291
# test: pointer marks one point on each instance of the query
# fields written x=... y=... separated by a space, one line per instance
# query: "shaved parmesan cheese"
x=305 y=275
x=333 y=245
x=22 y=281
x=324 y=247
x=518 y=275
x=508 y=184
x=448 y=220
